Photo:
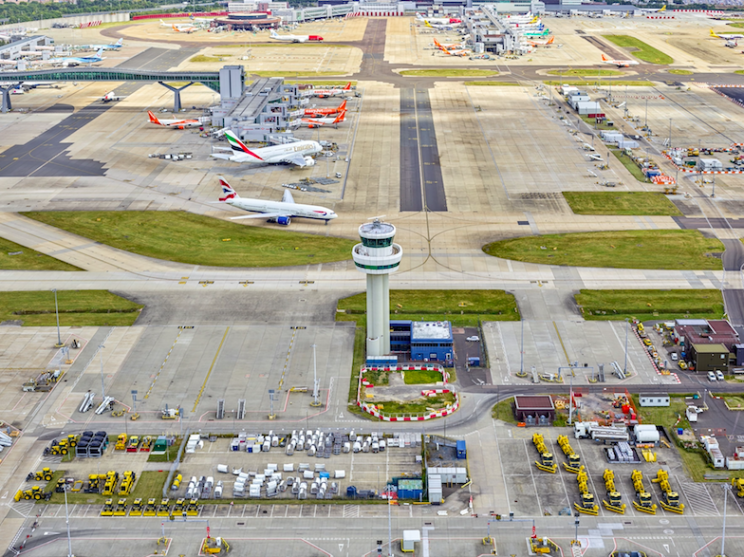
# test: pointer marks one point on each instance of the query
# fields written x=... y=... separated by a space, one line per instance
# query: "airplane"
x=536 y=34
x=294 y=38
x=438 y=20
x=541 y=43
x=323 y=93
x=111 y=96
x=526 y=18
x=297 y=153
x=315 y=112
x=116 y=46
x=318 y=122
x=441 y=46
x=438 y=26
x=184 y=28
x=177 y=124
x=281 y=212
x=654 y=10
x=456 y=52
x=76 y=60
x=732 y=44
x=619 y=63
x=726 y=36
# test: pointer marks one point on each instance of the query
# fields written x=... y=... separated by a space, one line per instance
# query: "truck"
x=691 y=413
x=596 y=432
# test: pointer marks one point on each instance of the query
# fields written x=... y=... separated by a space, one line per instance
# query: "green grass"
x=619 y=249
x=421 y=377
x=734 y=401
x=198 y=240
x=437 y=305
x=203 y=58
x=592 y=122
x=168 y=456
x=149 y=484
x=492 y=84
x=449 y=73
x=579 y=72
x=589 y=82
x=28 y=259
x=503 y=411
x=681 y=72
x=620 y=203
x=360 y=349
x=644 y=52
x=737 y=25
x=740 y=72
x=666 y=416
x=79 y=308
x=650 y=304
x=417 y=406
x=630 y=164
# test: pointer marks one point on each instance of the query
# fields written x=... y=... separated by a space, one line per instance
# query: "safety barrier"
x=706 y=12
x=660 y=17
x=90 y=24
x=372 y=410
x=651 y=358
x=434 y=392
x=374 y=14
x=693 y=171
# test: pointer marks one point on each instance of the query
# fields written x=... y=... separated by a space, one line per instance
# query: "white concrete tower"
x=377 y=256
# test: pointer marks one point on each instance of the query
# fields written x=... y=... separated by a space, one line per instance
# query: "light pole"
x=390 y=524
x=627 y=326
x=56 y=312
x=576 y=534
x=100 y=349
x=723 y=533
x=521 y=350
x=67 y=521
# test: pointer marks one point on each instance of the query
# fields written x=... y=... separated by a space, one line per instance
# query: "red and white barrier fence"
x=372 y=410
x=90 y=24
x=660 y=17
x=706 y=12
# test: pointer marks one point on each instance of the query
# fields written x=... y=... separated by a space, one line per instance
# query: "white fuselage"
x=291 y=38
x=288 y=209
x=279 y=153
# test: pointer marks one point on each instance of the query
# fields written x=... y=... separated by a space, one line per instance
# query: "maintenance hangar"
x=425 y=341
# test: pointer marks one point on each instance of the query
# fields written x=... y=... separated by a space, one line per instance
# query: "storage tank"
x=647 y=435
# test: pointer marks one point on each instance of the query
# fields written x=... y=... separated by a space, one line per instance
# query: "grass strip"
x=621 y=203
x=26 y=259
x=198 y=240
x=650 y=304
x=449 y=73
x=422 y=377
x=461 y=307
x=618 y=249
x=584 y=72
x=78 y=308
x=630 y=165
x=681 y=72
x=588 y=82
x=642 y=51
x=492 y=84
x=503 y=411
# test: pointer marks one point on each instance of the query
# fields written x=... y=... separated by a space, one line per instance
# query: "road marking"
x=568 y=360
x=214 y=361
x=165 y=361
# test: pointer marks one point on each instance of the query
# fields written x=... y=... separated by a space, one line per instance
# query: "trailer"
x=596 y=432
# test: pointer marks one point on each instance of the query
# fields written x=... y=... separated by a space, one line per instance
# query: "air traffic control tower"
x=377 y=256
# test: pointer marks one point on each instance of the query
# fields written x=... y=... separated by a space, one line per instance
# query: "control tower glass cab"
x=377 y=256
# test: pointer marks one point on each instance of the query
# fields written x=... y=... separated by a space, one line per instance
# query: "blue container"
x=680 y=431
x=326 y=475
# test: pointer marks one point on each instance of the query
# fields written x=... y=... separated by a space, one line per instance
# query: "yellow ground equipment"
x=178 y=507
x=574 y=461
x=61 y=447
x=547 y=463
x=60 y=487
x=121 y=508
x=149 y=508
x=614 y=502
x=649 y=455
x=108 y=508
x=670 y=500
x=35 y=493
x=134 y=443
x=215 y=546
x=127 y=483
x=109 y=486
x=192 y=509
x=164 y=507
x=146 y=444
x=136 y=508
x=738 y=483
x=121 y=442
x=43 y=475
x=176 y=482
x=587 y=504
x=543 y=546
x=44 y=382
x=94 y=483
x=169 y=413
x=643 y=503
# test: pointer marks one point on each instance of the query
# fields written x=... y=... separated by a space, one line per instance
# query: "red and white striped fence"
x=90 y=24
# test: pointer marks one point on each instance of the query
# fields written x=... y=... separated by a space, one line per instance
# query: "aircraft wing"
x=262 y=216
x=299 y=160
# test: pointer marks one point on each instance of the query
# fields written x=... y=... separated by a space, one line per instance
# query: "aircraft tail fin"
x=342 y=107
x=550 y=40
x=227 y=189
x=604 y=58
x=119 y=42
x=348 y=86
x=238 y=146
x=663 y=8
x=340 y=117
x=153 y=118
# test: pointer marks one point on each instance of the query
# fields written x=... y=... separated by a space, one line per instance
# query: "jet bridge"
x=229 y=81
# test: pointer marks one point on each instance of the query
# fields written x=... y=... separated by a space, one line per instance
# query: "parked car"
x=472 y=339
x=711 y=376
x=673 y=356
x=719 y=375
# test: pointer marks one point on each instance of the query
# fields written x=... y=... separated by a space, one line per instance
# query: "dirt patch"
x=712 y=53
